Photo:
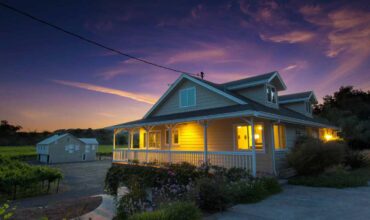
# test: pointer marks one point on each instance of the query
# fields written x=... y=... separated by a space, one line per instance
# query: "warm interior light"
x=239 y=127
x=328 y=137
x=260 y=127
x=256 y=136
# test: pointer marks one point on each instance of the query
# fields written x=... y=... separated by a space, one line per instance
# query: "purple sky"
x=50 y=80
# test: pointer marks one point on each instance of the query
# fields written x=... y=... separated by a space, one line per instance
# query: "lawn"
x=337 y=179
x=29 y=151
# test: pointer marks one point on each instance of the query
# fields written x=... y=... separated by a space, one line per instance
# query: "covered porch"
x=243 y=142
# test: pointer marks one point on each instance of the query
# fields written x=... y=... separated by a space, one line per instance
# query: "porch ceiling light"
x=328 y=137
x=256 y=136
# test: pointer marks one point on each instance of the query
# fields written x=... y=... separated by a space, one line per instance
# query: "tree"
x=349 y=109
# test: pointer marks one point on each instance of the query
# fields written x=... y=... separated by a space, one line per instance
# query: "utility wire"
x=86 y=39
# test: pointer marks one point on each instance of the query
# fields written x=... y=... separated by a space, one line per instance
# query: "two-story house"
x=242 y=123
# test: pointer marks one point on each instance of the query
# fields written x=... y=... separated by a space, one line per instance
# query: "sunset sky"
x=49 y=80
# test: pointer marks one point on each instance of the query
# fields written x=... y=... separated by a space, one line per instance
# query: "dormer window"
x=271 y=94
x=308 y=107
x=187 y=97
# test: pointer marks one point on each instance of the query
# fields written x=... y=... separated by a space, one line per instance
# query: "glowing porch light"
x=328 y=137
x=256 y=136
x=259 y=127
x=239 y=127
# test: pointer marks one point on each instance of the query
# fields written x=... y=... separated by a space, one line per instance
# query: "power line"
x=86 y=39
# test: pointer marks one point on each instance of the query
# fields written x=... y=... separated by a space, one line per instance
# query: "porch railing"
x=227 y=159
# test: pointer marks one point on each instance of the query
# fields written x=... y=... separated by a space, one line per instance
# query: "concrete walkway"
x=298 y=202
x=105 y=211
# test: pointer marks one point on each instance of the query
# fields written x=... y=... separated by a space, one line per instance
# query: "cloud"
x=291 y=37
x=106 y=114
x=196 y=55
x=290 y=67
x=91 y=87
x=347 y=34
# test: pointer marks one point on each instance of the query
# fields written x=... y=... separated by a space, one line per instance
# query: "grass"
x=336 y=179
x=30 y=151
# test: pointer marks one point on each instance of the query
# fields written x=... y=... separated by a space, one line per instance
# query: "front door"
x=242 y=134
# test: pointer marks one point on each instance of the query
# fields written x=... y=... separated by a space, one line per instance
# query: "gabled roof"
x=251 y=109
x=257 y=80
x=89 y=140
x=298 y=97
x=199 y=82
x=52 y=139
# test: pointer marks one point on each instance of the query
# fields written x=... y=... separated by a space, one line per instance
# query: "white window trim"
x=276 y=95
x=286 y=142
x=195 y=97
x=263 y=150
x=172 y=139
x=160 y=138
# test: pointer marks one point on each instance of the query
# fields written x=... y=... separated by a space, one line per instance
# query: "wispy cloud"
x=290 y=67
x=291 y=37
x=347 y=36
x=91 y=87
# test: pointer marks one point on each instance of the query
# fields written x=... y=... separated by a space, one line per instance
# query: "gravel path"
x=80 y=180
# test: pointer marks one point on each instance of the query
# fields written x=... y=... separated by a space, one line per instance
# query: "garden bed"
x=208 y=188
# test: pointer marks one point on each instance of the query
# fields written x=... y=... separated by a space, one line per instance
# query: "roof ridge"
x=250 y=77
x=297 y=93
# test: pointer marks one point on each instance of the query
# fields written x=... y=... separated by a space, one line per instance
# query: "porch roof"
x=251 y=109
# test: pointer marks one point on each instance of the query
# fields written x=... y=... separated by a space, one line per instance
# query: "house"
x=243 y=123
x=62 y=148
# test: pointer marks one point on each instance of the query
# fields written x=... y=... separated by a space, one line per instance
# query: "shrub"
x=211 y=194
x=174 y=211
x=244 y=191
x=133 y=202
x=184 y=172
x=311 y=156
x=355 y=159
x=271 y=185
x=236 y=174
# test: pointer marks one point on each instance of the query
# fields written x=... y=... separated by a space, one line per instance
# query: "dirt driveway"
x=80 y=180
x=298 y=202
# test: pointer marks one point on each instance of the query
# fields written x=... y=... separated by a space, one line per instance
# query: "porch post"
x=273 y=149
x=254 y=164
x=205 y=138
x=170 y=143
x=147 y=129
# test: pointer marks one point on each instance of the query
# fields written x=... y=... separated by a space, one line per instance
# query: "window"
x=77 y=147
x=175 y=136
x=271 y=94
x=279 y=137
x=155 y=139
x=308 y=107
x=187 y=97
x=244 y=134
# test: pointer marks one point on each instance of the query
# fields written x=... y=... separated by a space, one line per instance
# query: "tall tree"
x=349 y=109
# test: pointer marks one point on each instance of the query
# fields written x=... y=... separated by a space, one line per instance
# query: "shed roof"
x=52 y=139
x=89 y=140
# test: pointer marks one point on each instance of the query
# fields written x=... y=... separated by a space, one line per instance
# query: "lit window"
x=244 y=134
x=187 y=97
x=279 y=137
x=167 y=135
x=271 y=94
x=175 y=136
